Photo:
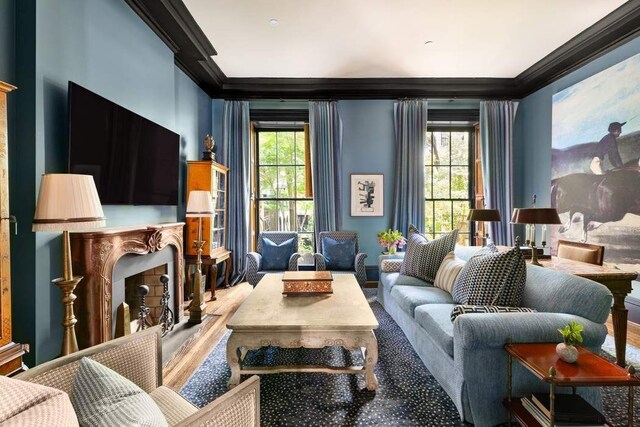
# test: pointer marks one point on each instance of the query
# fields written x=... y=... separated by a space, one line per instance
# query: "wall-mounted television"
x=132 y=160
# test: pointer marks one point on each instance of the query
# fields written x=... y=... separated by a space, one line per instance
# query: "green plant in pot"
x=572 y=335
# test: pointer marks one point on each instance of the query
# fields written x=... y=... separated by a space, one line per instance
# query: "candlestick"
x=544 y=234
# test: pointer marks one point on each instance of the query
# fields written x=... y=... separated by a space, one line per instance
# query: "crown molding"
x=176 y=27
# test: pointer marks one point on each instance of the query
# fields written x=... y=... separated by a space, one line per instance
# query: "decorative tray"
x=307 y=282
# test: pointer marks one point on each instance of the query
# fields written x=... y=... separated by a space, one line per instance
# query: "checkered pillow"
x=390 y=265
x=465 y=309
x=492 y=279
x=423 y=256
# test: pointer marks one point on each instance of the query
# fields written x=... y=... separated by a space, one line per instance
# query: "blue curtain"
x=496 y=148
x=325 y=134
x=235 y=154
x=410 y=121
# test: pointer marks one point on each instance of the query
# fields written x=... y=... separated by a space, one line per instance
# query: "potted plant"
x=391 y=240
x=572 y=335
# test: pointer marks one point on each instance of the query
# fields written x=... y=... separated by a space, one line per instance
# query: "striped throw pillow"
x=423 y=256
x=103 y=398
x=465 y=309
x=448 y=272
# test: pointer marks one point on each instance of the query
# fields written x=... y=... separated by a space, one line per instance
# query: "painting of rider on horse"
x=595 y=183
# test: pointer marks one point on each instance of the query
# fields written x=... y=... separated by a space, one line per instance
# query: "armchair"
x=324 y=261
x=138 y=357
x=255 y=260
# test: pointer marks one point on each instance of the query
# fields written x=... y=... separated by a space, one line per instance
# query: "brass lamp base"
x=198 y=306
x=69 y=342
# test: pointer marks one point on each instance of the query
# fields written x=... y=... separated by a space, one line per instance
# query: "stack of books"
x=570 y=410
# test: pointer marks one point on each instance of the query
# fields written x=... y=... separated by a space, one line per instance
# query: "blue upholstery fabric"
x=276 y=256
x=409 y=297
x=255 y=268
x=436 y=318
x=338 y=255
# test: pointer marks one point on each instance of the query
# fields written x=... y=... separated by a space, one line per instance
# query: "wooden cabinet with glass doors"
x=209 y=176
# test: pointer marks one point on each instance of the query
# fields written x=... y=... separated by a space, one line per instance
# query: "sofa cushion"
x=423 y=256
x=26 y=404
x=338 y=254
x=436 y=320
x=173 y=406
x=409 y=297
x=492 y=279
x=102 y=397
x=470 y=309
x=276 y=256
x=448 y=272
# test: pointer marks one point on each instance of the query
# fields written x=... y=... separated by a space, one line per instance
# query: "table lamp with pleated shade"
x=484 y=215
x=67 y=202
x=199 y=205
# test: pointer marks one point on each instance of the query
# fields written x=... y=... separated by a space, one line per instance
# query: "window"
x=283 y=202
x=447 y=171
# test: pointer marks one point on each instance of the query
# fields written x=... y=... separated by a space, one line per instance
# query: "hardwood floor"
x=179 y=369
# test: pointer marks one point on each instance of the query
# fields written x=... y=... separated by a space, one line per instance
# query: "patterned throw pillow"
x=390 y=265
x=448 y=272
x=492 y=279
x=338 y=255
x=423 y=256
x=276 y=257
x=104 y=398
x=465 y=309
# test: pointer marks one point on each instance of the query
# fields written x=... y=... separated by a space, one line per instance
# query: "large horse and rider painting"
x=595 y=162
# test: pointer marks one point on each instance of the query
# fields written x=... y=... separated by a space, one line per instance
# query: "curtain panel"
x=410 y=121
x=236 y=156
x=325 y=133
x=496 y=148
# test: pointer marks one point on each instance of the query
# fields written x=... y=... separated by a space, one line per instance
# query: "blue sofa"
x=467 y=356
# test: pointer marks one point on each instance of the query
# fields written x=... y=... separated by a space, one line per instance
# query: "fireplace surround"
x=96 y=255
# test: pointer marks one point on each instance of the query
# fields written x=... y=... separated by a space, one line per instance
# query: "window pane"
x=442 y=216
x=459 y=182
x=268 y=216
x=300 y=148
x=441 y=148
x=440 y=182
x=460 y=213
x=267 y=148
x=459 y=148
x=305 y=243
x=300 y=182
x=427 y=149
x=463 y=239
x=286 y=148
x=286 y=215
x=286 y=182
x=304 y=211
x=428 y=170
x=428 y=220
x=268 y=181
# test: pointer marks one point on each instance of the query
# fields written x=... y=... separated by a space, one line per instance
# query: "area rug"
x=408 y=396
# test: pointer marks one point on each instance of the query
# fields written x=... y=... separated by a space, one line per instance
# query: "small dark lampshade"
x=487 y=215
x=535 y=216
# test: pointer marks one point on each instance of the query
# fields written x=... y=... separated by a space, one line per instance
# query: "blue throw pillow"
x=338 y=255
x=276 y=257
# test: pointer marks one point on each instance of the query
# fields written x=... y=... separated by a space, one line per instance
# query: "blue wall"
x=104 y=46
x=532 y=130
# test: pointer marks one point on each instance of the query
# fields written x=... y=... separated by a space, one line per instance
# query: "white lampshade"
x=67 y=202
x=200 y=204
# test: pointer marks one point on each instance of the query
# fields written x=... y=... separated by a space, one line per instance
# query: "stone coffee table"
x=268 y=318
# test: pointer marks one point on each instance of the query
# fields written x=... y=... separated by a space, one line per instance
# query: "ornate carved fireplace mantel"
x=95 y=254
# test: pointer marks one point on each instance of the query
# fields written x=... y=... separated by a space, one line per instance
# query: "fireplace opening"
x=153 y=299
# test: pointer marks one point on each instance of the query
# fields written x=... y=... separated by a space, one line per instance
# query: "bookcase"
x=209 y=176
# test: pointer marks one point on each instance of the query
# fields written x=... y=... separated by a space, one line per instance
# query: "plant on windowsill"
x=572 y=335
x=391 y=240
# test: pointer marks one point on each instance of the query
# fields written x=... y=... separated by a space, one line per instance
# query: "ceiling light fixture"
x=273 y=22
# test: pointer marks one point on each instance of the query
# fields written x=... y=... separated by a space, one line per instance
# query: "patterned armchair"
x=357 y=267
x=255 y=267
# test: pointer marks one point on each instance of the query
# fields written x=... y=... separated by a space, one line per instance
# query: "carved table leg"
x=213 y=278
x=227 y=271
x=234 y=359
x=370 y=360
x=619 y=319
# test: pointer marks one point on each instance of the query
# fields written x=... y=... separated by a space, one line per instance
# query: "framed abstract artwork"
x=367 y=195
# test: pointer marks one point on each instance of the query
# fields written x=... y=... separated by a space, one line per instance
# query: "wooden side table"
x=591 y=370
x=209 y=269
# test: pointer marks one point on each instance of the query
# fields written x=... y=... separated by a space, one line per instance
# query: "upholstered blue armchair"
x=339 y=252
x=276 y=251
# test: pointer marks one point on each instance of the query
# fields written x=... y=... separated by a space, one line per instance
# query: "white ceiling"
x=386 y=38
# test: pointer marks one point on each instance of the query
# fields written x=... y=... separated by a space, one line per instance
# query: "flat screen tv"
x=132 y=160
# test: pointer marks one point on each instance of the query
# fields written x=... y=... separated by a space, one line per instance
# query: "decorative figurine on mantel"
x=209 y=147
